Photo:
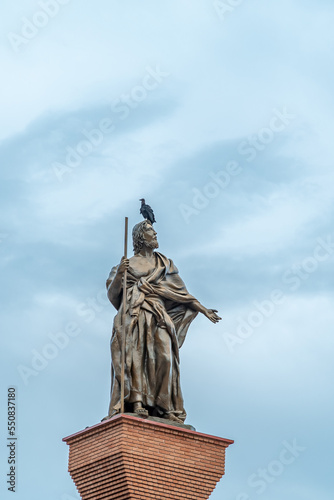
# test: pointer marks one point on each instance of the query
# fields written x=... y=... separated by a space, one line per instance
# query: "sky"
x=219 y=114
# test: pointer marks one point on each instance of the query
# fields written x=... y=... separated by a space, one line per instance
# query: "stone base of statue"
x=129 y=458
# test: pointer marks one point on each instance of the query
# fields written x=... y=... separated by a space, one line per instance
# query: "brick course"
x=129 y=458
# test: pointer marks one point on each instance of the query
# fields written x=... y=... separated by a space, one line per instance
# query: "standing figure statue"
x=159 y=310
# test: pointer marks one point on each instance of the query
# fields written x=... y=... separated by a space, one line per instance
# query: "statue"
x=158 y=313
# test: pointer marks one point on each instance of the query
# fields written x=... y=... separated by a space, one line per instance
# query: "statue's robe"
x=158 y=315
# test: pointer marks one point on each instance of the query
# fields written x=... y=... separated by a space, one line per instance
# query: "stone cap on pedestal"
x=129 y=458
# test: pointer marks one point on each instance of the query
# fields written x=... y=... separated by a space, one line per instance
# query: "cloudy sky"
x=220 y=114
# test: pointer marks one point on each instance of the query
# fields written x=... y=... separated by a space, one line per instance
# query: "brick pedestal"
x=129 y=458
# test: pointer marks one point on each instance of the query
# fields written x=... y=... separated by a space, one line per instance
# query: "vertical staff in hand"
x=124 y=315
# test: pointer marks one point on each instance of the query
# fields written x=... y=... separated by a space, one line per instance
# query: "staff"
x=124 y=315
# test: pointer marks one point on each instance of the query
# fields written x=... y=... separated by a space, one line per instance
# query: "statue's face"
x=150 y=237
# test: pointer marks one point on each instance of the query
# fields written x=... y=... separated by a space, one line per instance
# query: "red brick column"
x=129 y=458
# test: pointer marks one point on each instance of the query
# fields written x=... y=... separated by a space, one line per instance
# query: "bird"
x=146 y=211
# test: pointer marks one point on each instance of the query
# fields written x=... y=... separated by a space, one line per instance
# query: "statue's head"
x=143 y=234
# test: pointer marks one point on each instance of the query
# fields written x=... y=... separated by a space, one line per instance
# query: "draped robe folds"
x=158 y=315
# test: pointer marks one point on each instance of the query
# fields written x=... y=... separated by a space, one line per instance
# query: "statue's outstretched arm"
x=211 y=314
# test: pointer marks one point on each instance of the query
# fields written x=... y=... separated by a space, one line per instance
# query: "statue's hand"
x=211 y=314
x=123 y=265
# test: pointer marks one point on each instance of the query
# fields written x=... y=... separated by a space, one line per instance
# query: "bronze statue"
x=158 y=313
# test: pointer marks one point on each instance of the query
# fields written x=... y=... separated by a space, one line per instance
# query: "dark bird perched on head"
x=147 y=211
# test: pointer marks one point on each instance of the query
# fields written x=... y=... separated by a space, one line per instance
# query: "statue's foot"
x=141 y=412
x=174 y=418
